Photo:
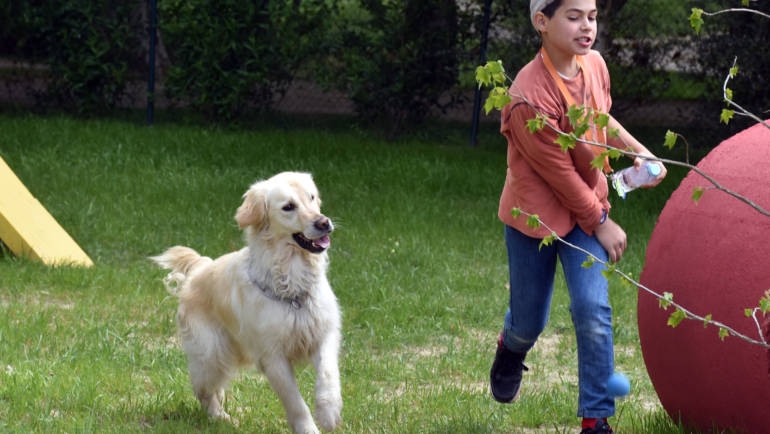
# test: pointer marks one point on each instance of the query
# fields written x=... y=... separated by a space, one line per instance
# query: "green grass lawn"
x=418 y=263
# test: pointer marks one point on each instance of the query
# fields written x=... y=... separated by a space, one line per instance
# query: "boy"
x=570 y=197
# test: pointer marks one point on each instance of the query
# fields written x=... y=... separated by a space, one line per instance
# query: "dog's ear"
x=253 y=210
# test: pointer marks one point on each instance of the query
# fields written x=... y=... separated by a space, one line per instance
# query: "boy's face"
x=572 y=29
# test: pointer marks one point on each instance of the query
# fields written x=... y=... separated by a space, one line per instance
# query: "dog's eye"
x=289 y=207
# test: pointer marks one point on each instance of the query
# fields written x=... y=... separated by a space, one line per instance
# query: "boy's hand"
x=638 y=163
x=613 y=238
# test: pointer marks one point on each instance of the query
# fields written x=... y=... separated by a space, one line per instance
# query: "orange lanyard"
x=589 y=135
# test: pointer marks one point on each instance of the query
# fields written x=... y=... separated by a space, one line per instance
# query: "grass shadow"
x=184 y=416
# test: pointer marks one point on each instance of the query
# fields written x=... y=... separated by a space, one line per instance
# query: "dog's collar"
x=296 y=302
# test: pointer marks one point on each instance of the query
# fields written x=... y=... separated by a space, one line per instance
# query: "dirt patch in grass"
x=38 y=300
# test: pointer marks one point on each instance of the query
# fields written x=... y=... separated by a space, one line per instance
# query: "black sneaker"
x=601 y=427
x=505 y=376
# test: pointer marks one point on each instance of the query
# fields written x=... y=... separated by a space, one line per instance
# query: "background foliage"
x=228 y=54
x=395 y=59
x=90 y=48
x=399 y=61
x=743 y=36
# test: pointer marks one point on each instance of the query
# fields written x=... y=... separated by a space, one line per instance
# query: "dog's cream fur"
x=268 y=304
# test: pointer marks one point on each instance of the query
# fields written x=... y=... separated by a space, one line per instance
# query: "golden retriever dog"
x=267 y=305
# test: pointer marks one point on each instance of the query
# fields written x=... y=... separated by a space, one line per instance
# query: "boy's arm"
x=554 y=166
x=626 y=140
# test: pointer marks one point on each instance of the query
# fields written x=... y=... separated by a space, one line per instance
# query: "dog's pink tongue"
x=323 y=242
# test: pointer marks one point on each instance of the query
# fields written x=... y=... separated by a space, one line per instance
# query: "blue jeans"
x=531 y=279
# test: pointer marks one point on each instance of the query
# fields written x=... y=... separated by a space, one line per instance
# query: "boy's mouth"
x=586 y=41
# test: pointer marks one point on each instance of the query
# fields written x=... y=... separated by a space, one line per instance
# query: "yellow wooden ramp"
x=29 y=230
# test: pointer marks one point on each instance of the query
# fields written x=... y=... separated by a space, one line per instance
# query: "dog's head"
x=286 y=208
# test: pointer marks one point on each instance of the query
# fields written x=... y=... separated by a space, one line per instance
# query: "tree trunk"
x=608 y=13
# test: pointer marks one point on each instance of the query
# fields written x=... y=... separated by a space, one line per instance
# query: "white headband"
x=536 y=6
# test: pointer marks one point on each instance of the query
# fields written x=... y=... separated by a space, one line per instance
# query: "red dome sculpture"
x=714 y=256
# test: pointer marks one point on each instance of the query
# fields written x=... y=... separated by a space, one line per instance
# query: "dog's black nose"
x=323 y=224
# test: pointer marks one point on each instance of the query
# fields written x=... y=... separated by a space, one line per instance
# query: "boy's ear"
x=253 y=210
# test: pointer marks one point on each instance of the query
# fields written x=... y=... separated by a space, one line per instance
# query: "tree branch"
x=724 y=11
x=729 y=101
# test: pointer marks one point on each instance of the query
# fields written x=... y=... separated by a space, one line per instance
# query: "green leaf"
x=502 y=101
x=581 y=129
x=676 y=318
x=728 y=93
x=598 y=161
x=516 y=212
x=589 y=262
x=489 y=104
x=609 y=271
x=575 y=113
x=498 y=78
x=533 y=221
x=497 y=91
x=723 y=333
x=733 y=71
x=748 y=312
x=726 y=116
x=536 y=124
x=533 y=125
x=497 y=99
x=495 y=66
x=602 y=120
x=566 y=141
x=492 y=73
x=696 y=19
x=547 y=241
x=745 y=3
x=670 y=139
x=666 y=300
x=483 y=76
x=614 y=153
x=764 y=304
x=697 y=193
x=626 y=281
x=706 y=321
x=613 y=133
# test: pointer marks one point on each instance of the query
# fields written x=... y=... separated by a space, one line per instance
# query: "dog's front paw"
x=329 y=414
x=305 y=427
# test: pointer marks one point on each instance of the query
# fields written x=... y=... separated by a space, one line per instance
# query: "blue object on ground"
x=618 y=385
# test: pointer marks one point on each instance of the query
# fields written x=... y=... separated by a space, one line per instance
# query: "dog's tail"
x=182 y=261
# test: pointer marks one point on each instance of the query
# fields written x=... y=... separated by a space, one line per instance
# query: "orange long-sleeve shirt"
x=560 y=187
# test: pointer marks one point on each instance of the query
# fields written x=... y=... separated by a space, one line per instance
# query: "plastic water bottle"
x=630 y=178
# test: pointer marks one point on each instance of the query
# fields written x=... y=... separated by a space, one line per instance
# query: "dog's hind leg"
x=209 y=382
x=211 y=365
x=280 y=374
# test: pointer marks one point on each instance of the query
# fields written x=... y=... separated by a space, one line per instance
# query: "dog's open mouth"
x=317 y=245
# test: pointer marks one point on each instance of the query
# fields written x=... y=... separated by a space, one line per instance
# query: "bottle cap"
x=654 y=169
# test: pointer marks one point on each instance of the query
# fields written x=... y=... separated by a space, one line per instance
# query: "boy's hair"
x=547 y=7
x=551 y=8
